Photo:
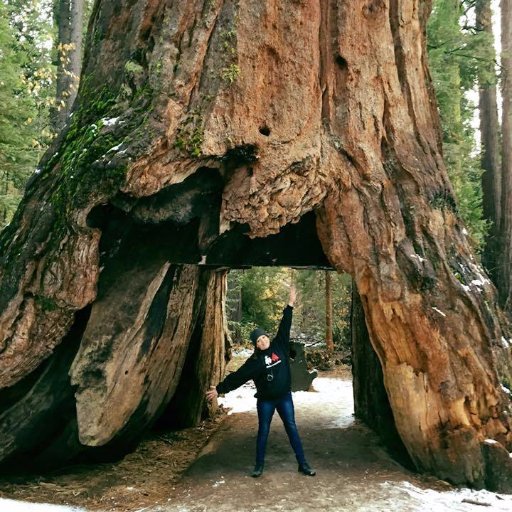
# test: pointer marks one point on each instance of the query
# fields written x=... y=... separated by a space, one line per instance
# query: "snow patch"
x=463 y=500
x=490 y=441
x=438 y=311
x=418 y=257
x=24 y=506
x=243 y=352
x=109 y=121
x=115 y=148
x=334 y=394
x=506 y=390
x=240 y=400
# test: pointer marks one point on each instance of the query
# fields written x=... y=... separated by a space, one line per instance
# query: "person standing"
x=269 y=367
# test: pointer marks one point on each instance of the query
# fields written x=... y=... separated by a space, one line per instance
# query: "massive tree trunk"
x=197 y=139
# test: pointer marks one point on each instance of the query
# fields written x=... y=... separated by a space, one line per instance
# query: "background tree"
x=458 y=57
x=328 y=312
x=32 y=45
x=505 y=270
x=19 y=148
x=260 y=293
x=69 y=17
x=490 y=135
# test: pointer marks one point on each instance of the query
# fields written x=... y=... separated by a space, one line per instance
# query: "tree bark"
x=489 y=133
x=328 y=312
x=505 y=271
x=205 y=361
x=371 y=403
x=70 y=18
x=185 y=145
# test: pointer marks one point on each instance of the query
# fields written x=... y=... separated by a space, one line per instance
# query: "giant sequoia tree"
x=209 y=134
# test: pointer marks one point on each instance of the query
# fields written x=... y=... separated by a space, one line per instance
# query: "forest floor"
x=207 y=468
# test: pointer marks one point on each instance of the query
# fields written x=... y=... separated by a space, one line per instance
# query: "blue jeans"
x=286 y=411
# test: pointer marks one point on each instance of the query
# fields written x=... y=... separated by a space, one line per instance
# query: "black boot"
x=306 y=470
x=257 y=471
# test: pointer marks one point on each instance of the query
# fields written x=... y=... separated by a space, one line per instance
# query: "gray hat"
x=256 y=334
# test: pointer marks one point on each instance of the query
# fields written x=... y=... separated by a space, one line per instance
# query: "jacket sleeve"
x=249 y=370
x=283 y=333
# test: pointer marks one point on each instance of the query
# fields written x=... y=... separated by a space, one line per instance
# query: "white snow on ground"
x=428 y=500
x=242 y=399
x=336 y=394
x=239 y=400
x=395 y=496
x=341 y=403
x=25 y=506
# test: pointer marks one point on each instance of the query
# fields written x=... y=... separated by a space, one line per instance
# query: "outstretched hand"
x=293 y=295
x=211 y=394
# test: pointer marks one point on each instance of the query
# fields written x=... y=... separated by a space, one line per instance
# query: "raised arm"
x=283 y=333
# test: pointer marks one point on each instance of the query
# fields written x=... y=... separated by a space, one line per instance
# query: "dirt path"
x=354 y=472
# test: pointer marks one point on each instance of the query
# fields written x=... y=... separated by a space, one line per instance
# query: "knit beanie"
x=256 y=334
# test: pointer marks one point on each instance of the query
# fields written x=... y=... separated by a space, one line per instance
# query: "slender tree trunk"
x=328 y=312
x=77 y=12
x=70 y=19
x=184 y=148
x=489 y=132
x=505 y=275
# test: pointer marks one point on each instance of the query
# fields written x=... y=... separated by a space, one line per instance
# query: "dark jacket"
x=270 y=369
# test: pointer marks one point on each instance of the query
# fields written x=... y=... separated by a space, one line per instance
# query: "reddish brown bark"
x=194 y=133
x=489 y=132
x=505 y=268
x=371 y=403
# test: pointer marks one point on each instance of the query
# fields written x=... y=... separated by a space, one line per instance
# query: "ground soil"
x=144 y=477
x=207 y=468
